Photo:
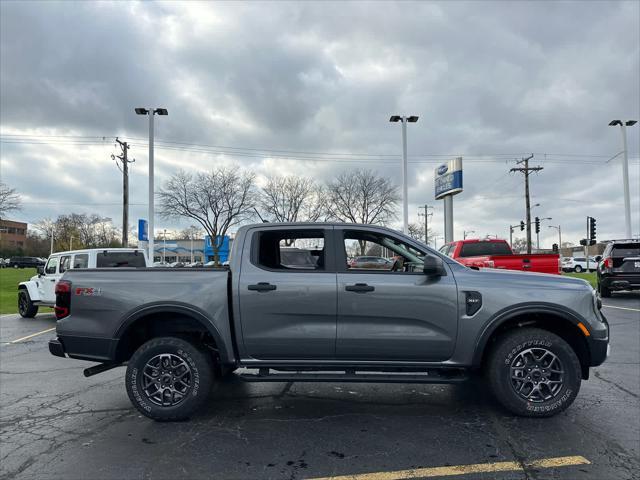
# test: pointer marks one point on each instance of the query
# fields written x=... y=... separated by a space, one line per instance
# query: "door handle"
x=359 y=287
x=262 y=287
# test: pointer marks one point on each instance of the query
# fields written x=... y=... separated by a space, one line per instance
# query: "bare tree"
x=362 y=196
x=217 y=200
x=79 y=230
x=291 y=199
x=193 y=232
x=416 y=231
x=9 y=200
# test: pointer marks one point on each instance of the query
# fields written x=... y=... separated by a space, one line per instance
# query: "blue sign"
x=223 y=248
x=448 y=178
x=143 y=230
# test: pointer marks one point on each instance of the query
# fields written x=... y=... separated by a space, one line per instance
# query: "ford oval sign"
x=448 y=178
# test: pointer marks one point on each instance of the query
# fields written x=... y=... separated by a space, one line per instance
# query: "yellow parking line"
x=30 y=336
x=622 y=308
x=463 y=469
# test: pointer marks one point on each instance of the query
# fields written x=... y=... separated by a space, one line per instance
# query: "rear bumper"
x=83 y=348
x=621 y=282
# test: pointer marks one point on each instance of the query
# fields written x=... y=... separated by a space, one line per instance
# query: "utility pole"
x=122 y=159
x=527 y=170
x=426 y=221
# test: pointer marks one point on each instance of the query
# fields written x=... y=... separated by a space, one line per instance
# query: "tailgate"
x=627 y=265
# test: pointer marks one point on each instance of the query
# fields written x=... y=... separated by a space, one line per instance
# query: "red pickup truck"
x=496 y=253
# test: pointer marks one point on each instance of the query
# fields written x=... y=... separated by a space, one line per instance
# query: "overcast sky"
x=491 y=82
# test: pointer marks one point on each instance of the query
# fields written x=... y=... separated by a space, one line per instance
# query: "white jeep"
x=41 y=289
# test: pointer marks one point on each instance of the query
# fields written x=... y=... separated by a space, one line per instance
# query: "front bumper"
x=599 y=348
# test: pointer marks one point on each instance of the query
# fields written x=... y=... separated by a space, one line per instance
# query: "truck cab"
x=40 y=289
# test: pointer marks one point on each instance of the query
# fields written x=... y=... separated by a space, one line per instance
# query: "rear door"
x=393 y=314
x=288 y=310
x=626 y=259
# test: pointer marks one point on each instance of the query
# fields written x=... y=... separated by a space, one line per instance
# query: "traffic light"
x=537 y=225
x=592 y=228
x=521 y=225
x=554 y=247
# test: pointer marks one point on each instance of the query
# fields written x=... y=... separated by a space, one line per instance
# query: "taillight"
x=607 y=263
x=63 y=299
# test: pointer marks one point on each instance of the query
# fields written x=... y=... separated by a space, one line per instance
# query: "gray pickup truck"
x=292 y=306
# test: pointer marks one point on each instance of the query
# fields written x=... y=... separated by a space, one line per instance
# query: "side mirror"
x=433 y=266
x=598 y=258
x=40 y=269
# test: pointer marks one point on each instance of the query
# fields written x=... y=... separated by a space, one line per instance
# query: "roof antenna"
x=260 y=216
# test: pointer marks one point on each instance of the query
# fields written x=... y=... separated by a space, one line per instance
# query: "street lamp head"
x=412 y=119
x=161 y=111
x=614 y=123
x=395 y=118
x=141 y=111
x=630 y=123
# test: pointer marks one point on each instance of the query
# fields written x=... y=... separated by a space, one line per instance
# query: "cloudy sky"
x=308 y=88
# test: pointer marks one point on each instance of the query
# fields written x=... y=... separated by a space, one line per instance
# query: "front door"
x=47 y=282
x=287 y=294
x=395 y=313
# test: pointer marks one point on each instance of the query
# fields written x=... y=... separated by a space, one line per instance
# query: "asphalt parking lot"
x=56 y=424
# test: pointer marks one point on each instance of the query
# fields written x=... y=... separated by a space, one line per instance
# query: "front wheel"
x=533 y=372
x=577 y=269
x=169 y=378
x=26 y=308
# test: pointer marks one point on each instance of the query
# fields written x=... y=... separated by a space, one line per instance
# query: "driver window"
x=373 y=252
x=52 y=266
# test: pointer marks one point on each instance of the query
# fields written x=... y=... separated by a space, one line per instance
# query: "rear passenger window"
x=119 y=259
x=64 y=263
x=296 y=250
x=81 y=261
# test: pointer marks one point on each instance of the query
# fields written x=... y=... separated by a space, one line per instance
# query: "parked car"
x=4 y=262
x=579 y=264
x=496 y=253
x=25 y=262
x=619 y=268
x=534 y=336
x=371 y=262
x=40 y=289
x=194 y=265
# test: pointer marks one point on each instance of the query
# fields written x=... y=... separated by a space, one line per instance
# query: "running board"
x=429 y=376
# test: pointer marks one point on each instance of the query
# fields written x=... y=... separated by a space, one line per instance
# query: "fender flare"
x=168 y=308
x=30 y=286
x=503 y=316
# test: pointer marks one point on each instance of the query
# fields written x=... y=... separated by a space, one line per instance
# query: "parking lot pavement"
x=56 y=424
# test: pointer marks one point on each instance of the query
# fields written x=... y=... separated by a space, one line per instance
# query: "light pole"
x=405 y=195
x=625 y=172
x=435 y=241
x=151 y=112
x=71 y=242
x=557 y=227
x=465 y=232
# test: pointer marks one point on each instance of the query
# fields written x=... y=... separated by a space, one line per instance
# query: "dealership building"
x=183 y=250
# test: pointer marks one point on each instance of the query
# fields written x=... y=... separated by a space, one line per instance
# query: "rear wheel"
x=577 y=269
x=26 y=308
x=169 y=378
x=604 y=291
x=533 y=372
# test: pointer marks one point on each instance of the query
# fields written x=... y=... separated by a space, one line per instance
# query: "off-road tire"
x=506 y=351
x=198 y=360
x=26 y=308
x=604 y=291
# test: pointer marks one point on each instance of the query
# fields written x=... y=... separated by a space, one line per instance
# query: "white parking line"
x=30 y=336
x=622 y=308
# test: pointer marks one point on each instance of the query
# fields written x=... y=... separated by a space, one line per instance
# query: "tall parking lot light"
x=625 y=172
x=151 y=112
x=405 y=194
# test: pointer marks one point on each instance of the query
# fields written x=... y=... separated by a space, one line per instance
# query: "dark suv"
x=25 y=262
x=619 y=268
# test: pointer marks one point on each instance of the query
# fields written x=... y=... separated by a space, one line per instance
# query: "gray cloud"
x=485 y=77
